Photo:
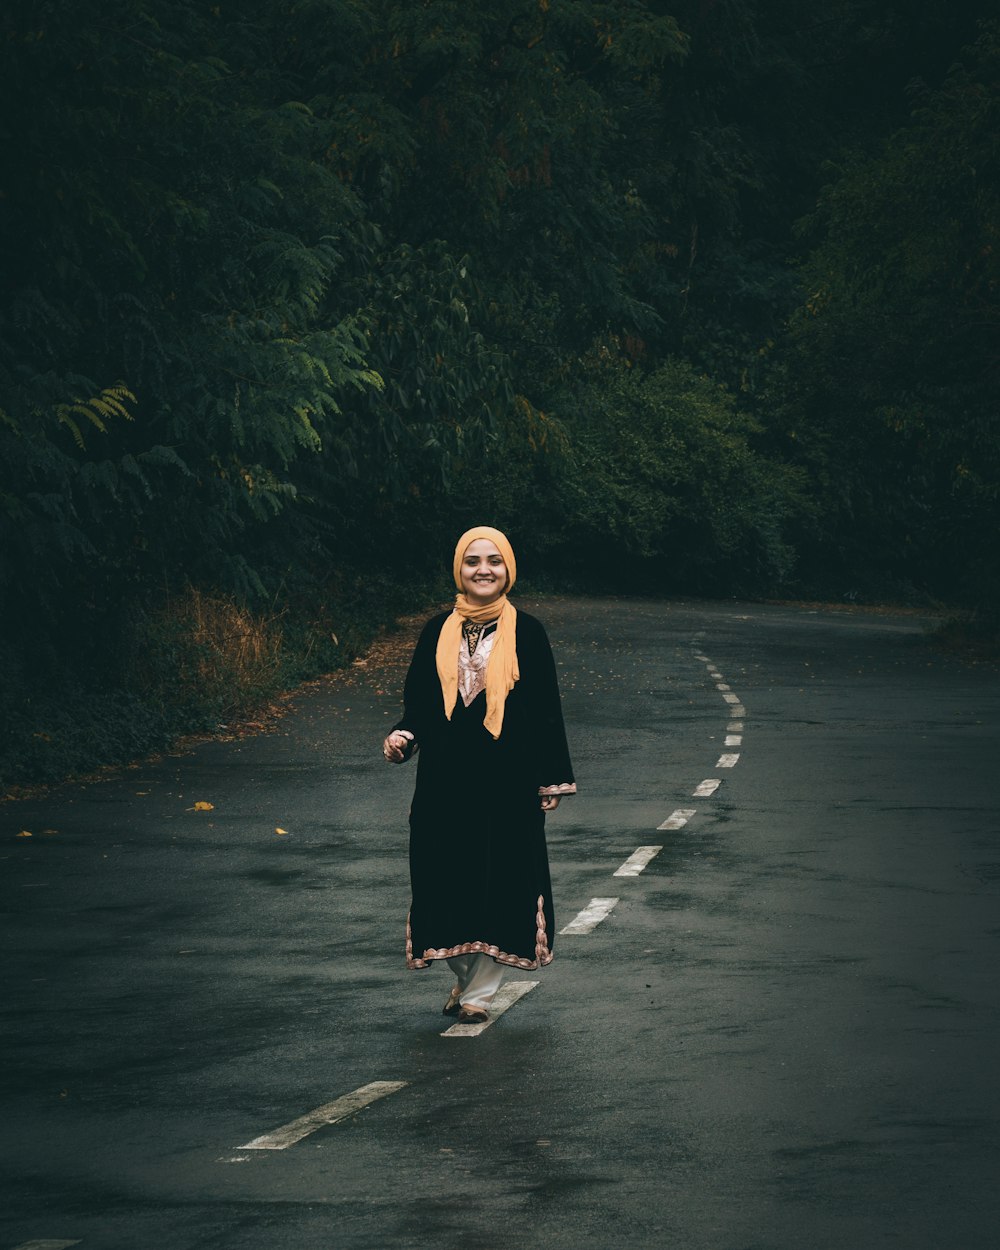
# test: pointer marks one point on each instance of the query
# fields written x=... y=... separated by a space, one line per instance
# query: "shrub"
x=662 y=472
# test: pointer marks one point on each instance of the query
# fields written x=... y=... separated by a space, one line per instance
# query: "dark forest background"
x=694 y=297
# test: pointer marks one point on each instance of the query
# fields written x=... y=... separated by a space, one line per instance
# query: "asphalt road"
x=783 y=1035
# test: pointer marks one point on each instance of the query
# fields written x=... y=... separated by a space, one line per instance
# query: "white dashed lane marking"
x=678 y=819
x=597 y=909
x=734 y=731
x=505 y=997
x=637 y=861
x=329 y=1113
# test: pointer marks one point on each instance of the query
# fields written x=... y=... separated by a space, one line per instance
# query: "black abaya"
x=479 y=866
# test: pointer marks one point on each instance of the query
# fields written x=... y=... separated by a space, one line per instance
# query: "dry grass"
x=209 y=650
x=231 y=642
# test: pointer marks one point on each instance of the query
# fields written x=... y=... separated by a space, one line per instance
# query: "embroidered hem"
x=564 y=787
x=543 y=955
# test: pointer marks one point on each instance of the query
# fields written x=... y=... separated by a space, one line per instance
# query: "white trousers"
x=478 y=978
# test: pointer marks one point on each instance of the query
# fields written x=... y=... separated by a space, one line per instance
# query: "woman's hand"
x=395 y=746
x=550 y=802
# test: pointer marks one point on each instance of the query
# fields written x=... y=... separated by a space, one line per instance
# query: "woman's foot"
x=473 y=1015
x=453 y=1006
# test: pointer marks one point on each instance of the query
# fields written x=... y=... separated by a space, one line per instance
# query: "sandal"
x=453 y=1006
x=473 y=1015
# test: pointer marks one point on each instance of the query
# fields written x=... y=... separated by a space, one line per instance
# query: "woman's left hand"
x=550 y=802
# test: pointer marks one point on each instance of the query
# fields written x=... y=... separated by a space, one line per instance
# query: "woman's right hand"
x=395 y=747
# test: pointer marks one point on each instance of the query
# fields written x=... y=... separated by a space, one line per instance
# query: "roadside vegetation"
x=699 y=296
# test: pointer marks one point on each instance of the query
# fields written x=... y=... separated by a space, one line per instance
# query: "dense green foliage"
x=689 y=296
x=892 y=362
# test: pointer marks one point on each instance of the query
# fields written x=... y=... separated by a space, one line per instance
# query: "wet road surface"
x=783 y=1034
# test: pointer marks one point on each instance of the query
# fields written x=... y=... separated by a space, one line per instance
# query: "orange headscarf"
x=501 y=671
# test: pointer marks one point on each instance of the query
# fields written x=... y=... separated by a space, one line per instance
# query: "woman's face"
x=484 y=574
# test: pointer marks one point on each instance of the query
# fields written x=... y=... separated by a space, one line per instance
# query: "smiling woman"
x=481 y=702
x=483 y=572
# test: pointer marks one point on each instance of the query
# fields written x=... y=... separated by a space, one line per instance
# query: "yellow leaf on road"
x=24 y=834
x=202 y=806
x=282 y=831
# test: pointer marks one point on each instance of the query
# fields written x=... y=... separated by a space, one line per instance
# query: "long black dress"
x=479 y=868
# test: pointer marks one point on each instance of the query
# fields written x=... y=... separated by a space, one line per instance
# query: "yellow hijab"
x=501 y=670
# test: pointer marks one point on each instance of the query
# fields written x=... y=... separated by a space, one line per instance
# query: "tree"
x=890 y=382
x=661 y=482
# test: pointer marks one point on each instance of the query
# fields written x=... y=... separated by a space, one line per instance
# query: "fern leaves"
x=112 y=402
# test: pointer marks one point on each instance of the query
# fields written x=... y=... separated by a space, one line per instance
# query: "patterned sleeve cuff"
x=564 y=788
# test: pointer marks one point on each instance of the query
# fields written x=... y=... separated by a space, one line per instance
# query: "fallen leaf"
x=202 y=806
x=49 y=832
x=24 y=834
x=282 y=831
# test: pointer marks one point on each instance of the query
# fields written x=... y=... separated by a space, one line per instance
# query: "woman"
x=482 y=706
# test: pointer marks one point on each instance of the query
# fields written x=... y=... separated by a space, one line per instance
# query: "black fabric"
x=478 y=860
